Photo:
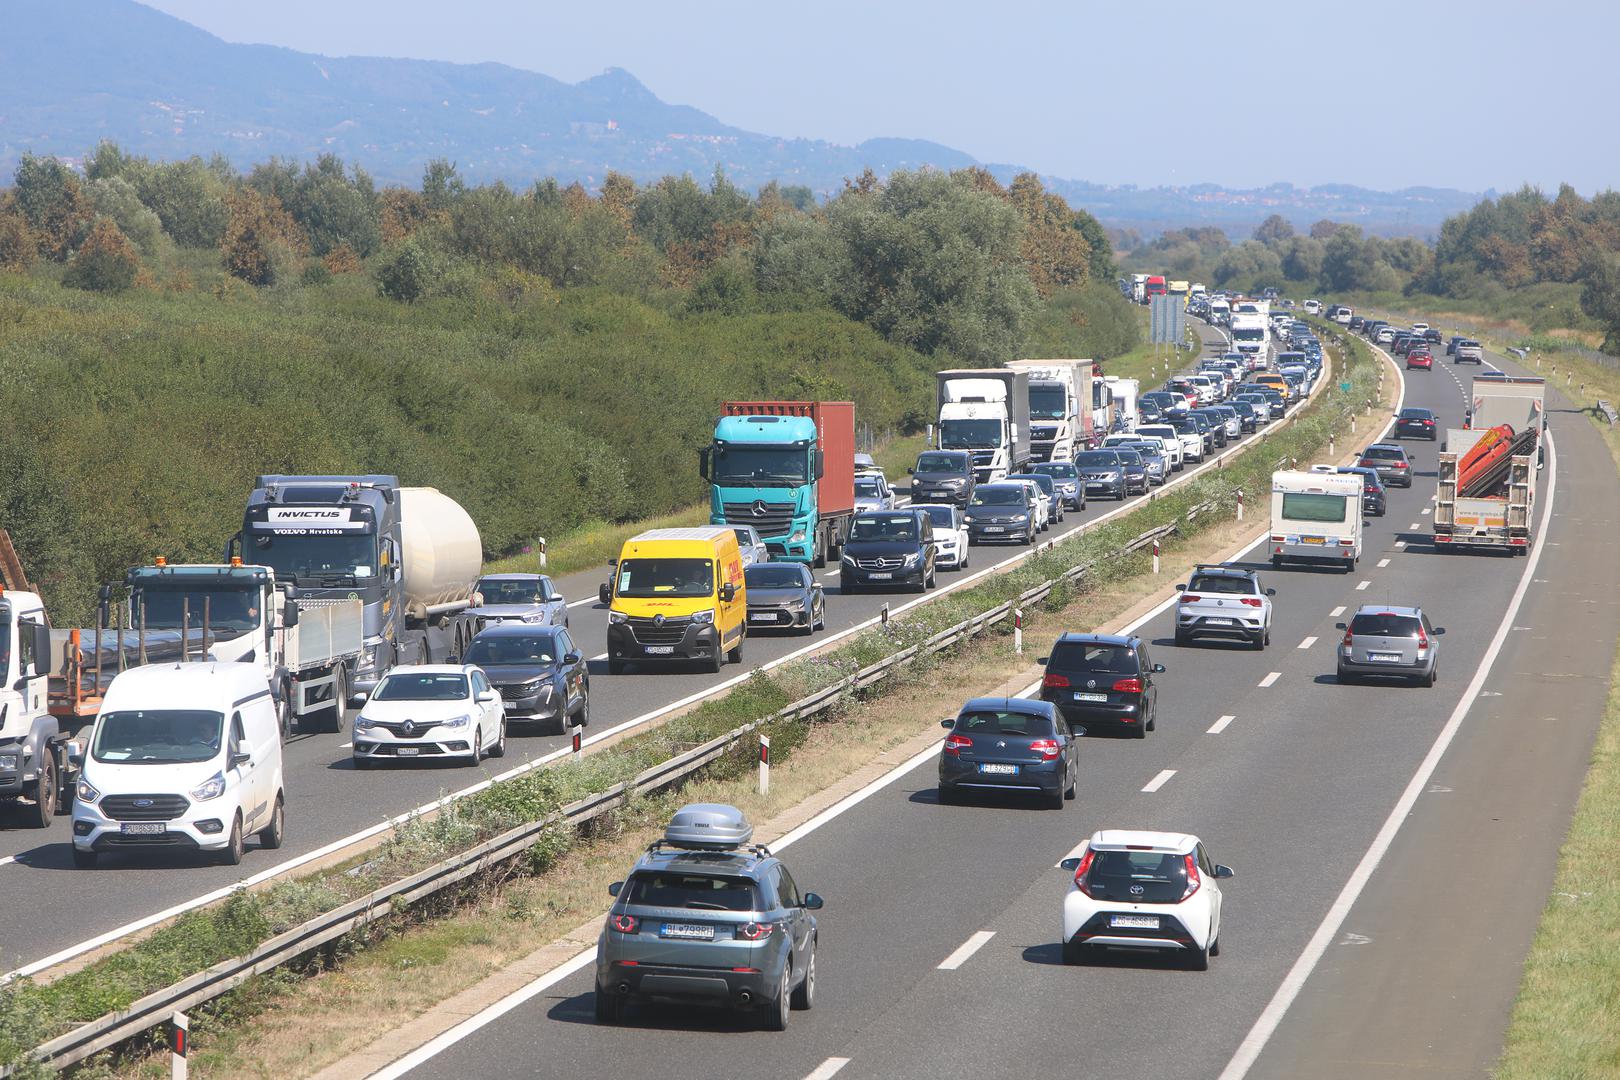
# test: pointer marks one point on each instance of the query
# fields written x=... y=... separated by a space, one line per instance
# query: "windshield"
x=868 y=487
x=766 y=576
x=422 y=686
x=158 y=736
x=1384 y=624
x=744 y=466
x=884 y=527
x=1384 y=453
x=295 y=557
x=1415 y=414
x=1249 y=334
x=1141 y=877
x=232 y=610
x=1300 y=506
x=998 y=722
x=512 y=649
x=507 y=591
x=1222 y=583
x=942 y=516
x=1096 y=457
x=1040 y=480
x=970 y=434
x=941 y=463
x=1048 y=402
x=666 y=577
x=998 y=496
x=1060 y=469
x=673 y=889
x=1129 y=457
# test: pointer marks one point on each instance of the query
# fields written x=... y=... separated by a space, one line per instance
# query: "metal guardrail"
x=1608 y=413
x=155 y=1009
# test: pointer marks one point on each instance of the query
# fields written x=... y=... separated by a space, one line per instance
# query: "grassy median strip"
x=31 y=1013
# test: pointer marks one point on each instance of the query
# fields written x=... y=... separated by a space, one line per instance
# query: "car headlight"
x=212 y=788
x=797 y=537
x=544 y=690
x=456 y=722
x=1020 y=517
x=969 y=518
x=617 y=617
x=8 y=762
x=796 y=604
x=847 y=561
x=536 y=617
x=364 y=723
x=913 y=558
x=704 y=617
x=86 y=792
x=954 y=482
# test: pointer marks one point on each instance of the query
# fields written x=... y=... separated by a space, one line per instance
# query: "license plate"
x=1090 y=697
x=686 y=931
x=1312 y=540
x=1134 y=922
x=998 y=770
x=659 y=650
x=1385 y=657
x=1219 y=622
x=884 y=576
x=762 y=616
x=407 y=751
x=143 y=828
x=995 y=528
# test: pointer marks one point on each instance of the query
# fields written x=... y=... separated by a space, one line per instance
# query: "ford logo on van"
x=142 y=803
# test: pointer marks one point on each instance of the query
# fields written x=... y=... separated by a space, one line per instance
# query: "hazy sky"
x=1471 y=95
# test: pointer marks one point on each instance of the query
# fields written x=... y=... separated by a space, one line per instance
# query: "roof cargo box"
x=708 y=827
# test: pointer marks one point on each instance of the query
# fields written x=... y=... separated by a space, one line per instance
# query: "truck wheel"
x=820 y=558
x=284 y=711
x=44 y=792
x=339 y=714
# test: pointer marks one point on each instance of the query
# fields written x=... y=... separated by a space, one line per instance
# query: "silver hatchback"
x=1381 y=641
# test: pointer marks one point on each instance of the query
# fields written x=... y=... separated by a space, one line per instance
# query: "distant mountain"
x=73 y=72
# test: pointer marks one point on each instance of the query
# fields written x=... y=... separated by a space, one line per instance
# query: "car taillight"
x=1348 y=639
x=1055 y=682
x=1128 y=686
x=1423 y=639
x=1081 y=871
x=1193 y=880
x=955 y=744
x=1190 y=598
x=1401 y=465
x=1250 y=601
x=755 y=931
x=1047 y=748
x=626 y=924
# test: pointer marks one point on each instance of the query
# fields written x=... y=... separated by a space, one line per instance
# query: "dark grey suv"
x=706 y=917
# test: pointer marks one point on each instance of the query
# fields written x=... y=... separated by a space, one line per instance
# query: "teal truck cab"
x=788 y=469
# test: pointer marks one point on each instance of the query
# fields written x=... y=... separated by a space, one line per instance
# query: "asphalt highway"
x=1287 y=776
x=329 y=801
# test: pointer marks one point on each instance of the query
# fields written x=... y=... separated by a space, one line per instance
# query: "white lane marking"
x=345 y=746
x=1415 y=525
x=587 y=600
x=1381 y=564
x=827 y=1069
x=1266 y=1025
x=1363 y=586
x=1269 y=679
x=1159 y=781
x=601 y=656
x=446 y=1039
x=8 y=859
x=1336 y=612
x=1220 y=725
x=1308 y=642
x=1428 y=509
x=965 y=951
x=1400 y=545
x=339 y=844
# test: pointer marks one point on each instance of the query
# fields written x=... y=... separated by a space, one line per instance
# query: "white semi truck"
x=985 y=411
x=1060 y=422
x=1251 y=336
x=36 y=767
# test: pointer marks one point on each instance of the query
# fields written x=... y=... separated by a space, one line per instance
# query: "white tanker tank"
x=441 y=553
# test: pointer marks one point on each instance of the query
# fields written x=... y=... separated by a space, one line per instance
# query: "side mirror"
x=1158 y=669
x=570 y=657
x=1340 y=626
x=359 y=697
x=615 y=888
x=289 y=613
x=1043 y=660
x=1271 y=592
x=1071 y=865
x=1439 y=630
x=1223 y=871
x=42 y=649
x=1181 y=588
x=605 y=594
x=910 y=471
x=488 y=696
x=703 y=463
x=240 y=754
x=948 y=723
x=812 y=902
x=728 y=593
x=452 y=659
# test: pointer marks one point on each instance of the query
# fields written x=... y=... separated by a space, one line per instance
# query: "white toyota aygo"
x=1134 y=889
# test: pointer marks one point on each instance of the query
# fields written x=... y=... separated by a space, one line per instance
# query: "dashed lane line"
x=1220 y=725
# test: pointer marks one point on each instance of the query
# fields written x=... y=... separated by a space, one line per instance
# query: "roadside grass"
x=30 y=1012
x=1566 y=1019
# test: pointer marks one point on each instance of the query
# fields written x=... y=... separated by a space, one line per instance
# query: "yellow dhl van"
x=1275 y=382
x=677 y=594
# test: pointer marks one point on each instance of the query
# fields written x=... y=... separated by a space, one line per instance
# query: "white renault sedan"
x=1135 y=889
x=431 y=711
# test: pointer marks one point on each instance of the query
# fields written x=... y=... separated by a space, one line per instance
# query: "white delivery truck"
x=985 y=411
x=1316 y=518
x=1486 y=492
x=1125 y=392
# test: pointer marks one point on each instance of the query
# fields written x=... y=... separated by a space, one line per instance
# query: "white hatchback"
x=431 y=711
x=950 y=534
x=1135 y=889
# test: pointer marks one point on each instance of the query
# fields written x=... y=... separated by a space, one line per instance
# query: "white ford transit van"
x=182 y=756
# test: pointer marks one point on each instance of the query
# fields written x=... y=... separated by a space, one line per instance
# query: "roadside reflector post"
x=1018 y=631
x=1240 y=504
x=764 y=764
x=1155 y=556
x=1332 y=444
x=574 y=736
x=179 y=1044
x=540 y=545
x=884 y=615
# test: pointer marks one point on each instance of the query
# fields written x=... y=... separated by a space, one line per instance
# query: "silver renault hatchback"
x=706 y=917
x=1390 y=642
